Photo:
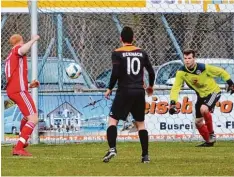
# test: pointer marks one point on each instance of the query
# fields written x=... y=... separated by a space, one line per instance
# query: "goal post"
x=34 y=59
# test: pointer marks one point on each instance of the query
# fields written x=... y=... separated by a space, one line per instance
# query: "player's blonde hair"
x=15 y=39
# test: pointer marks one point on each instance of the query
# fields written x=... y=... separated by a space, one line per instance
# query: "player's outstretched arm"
x=26 y=47
x=215 y=71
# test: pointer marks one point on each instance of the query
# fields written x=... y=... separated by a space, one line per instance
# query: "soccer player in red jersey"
x=16 y=70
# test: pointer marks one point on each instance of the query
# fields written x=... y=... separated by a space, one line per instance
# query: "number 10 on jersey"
x=130 y=65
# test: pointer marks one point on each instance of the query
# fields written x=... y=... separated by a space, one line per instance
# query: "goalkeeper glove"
x=231 y=89
x=173 y=109
x=230 y=86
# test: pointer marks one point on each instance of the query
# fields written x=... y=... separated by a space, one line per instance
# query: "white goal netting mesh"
x=88 y=37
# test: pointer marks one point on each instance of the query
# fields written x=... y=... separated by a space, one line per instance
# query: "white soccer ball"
x=73 y=70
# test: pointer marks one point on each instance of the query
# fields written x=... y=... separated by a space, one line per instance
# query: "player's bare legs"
x=144 y=139
x=111 y=138
x=24 y=136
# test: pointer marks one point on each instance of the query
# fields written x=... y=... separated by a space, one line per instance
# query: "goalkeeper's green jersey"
x=200 y=79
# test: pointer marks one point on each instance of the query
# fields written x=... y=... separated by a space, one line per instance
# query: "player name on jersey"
x=132 y=54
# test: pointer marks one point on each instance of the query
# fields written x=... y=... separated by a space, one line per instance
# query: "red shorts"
x=24 y=102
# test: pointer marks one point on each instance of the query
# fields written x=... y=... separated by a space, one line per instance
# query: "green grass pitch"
x=171 y=159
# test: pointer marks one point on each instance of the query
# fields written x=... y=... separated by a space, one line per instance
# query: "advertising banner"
x=84 y=117
x=107 y=6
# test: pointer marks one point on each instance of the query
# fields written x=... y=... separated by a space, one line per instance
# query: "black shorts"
x=209 y=101
x=129 y=101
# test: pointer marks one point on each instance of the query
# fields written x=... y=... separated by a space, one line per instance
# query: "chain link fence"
x=94 y=36
x=90 y=38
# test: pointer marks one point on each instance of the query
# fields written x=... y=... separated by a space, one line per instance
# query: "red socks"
x=25 y=134
x=204 y=132
x=23 y=122
x=209 y=123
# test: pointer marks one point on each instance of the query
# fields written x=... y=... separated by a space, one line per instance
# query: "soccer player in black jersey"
x=128 y=63
x=200 y=78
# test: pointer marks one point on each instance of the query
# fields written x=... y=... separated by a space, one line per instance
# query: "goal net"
x=86 y=32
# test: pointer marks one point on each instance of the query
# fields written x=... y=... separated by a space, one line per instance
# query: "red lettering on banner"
x=226 y=106
x=186 y=107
